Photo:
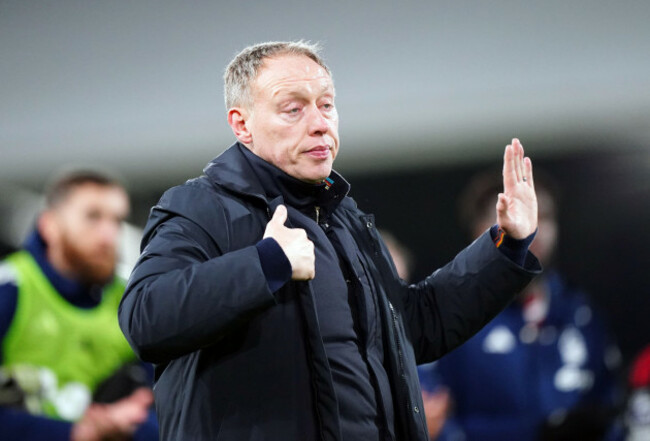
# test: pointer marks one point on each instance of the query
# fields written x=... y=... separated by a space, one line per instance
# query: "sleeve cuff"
x=275 y=265
x=514 y=249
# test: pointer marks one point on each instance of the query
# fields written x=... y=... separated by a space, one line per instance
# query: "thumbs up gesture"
x=295 y=244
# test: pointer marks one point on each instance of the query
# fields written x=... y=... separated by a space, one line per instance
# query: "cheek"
x=334 y=130
x=334 y=124
x=83 y=234
x=281 y=141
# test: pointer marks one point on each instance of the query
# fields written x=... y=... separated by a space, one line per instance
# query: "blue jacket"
x=508 y=379
x=238 y=361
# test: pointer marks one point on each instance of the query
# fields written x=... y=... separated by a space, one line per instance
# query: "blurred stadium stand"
x=428 y=94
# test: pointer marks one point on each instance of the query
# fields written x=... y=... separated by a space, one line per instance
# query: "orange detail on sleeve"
x=499 y=239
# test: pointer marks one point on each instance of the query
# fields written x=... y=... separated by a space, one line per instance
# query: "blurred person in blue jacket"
x=543 y=369
x=66 y=370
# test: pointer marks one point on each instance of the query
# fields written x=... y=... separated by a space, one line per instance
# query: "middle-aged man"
x=267 y=299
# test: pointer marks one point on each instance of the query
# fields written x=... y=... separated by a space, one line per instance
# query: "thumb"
x=280 y=215
x=502 y=203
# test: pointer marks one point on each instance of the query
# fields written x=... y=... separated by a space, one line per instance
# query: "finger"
x=528 y=167
x=522 y=160
x=519 y=155
x=502 y=203
x=509 y=173
x=280 y=215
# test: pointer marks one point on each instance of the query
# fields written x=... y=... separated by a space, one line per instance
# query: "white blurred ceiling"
x=135 y=86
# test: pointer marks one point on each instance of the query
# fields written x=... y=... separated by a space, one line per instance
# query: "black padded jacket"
x=235 y=361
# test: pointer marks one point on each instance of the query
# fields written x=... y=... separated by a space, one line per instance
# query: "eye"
x=293 y=110
x=327 y=105
x=93 y=215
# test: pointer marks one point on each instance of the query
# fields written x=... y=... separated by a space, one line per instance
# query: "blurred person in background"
x=66 y=371
x=543 y=369
x=268 y=300
x=636 y=414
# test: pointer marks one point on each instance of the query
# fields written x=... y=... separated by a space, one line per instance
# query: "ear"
x=47 y=226
x=238 y=118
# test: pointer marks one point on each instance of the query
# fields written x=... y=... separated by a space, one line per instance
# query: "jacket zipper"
x=317 y=214
x=400 y=356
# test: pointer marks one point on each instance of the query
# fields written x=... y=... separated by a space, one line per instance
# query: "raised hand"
x=295 y=244
x=517 y=205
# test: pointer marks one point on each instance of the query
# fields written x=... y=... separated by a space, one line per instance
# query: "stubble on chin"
x=90 y=270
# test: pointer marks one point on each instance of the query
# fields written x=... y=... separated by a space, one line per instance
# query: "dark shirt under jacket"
x=345 y=303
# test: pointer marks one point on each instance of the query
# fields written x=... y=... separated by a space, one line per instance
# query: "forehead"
x=98 y=196
x=291 y=71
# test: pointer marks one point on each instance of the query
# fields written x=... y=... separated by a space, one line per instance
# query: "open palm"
x=517 y=205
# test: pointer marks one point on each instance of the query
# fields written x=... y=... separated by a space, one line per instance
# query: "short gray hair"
x=243 y=69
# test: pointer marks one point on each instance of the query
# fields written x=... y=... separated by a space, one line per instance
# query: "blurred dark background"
x=427 y=94
x=604 y=216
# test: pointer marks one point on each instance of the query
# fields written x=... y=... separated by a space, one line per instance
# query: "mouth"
x=319 y=152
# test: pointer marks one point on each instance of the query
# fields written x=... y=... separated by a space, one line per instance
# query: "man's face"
x=292 y=121
x=85 y=231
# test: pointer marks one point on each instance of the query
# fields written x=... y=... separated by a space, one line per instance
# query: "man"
x=61 y=343
x=268 y=301
x=542 y=369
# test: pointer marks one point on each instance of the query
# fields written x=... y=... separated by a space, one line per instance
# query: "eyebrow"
x=299 y=93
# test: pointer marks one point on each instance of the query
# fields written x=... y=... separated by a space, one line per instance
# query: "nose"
x=110 y=233
x=318 y=124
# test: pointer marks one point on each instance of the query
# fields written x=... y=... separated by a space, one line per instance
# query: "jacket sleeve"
x=184 y=295
x=456 y=301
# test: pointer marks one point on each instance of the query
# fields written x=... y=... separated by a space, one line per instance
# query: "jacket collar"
x=231 y=170
x=239 y=170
